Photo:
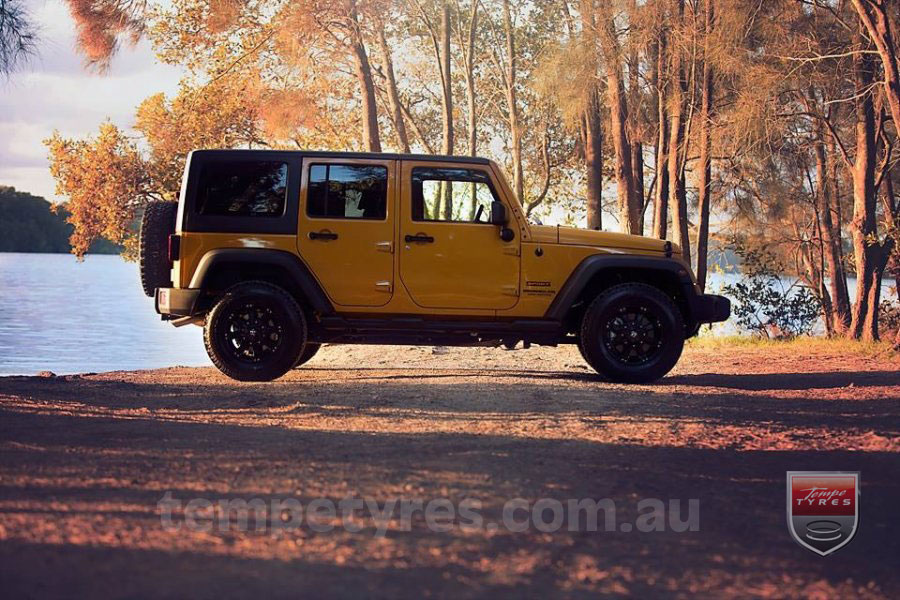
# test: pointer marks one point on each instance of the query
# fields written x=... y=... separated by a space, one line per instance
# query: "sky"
x=55 y=92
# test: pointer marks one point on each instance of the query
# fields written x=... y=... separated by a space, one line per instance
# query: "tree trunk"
x=897 y=292
x=369 y=108
x=592 y=128
x=813 y=274
x=618 y=120
x=874 y=17
x=677 y=197
x=392 y=92
x=635 y=130
x=370 y=136
x=863 y=225
x=446 y=106
x=831 y=238
x=881 y=254
x=447 y=103
x=593 y=160
x=467 y=46
x=705 y=166
x=637 y=167
x=661 y=195
x=469 y=73
x=870 y=324
x=837 y=214
x=512 y=103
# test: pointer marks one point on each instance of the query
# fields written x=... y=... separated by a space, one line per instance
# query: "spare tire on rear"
x=157 y=224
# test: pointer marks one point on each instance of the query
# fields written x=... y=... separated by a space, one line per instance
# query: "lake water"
x=59 y=315
x=67 y=317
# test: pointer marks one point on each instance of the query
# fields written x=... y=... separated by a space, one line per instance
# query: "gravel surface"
x=86 y=459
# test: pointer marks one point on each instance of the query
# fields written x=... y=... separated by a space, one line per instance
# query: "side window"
x=347 y=191
x=455 y=195
x=242 y=188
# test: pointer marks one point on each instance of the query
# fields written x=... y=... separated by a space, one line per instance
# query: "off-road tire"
x=309 y=350
x=157 y=224
x=635 y=306
x=581 y=351
x=273 y=311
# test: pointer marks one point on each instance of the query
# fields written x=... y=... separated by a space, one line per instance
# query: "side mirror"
x=498 y=213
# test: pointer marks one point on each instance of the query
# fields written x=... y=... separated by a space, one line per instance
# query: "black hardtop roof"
x=333 y=154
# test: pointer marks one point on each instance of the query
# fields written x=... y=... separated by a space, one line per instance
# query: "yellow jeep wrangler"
x=276 y=253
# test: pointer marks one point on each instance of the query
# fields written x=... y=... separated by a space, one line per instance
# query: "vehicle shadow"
x=741 y=381
x=787 y=381
x=493 y=395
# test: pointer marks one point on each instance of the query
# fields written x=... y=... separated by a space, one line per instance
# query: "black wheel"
x=632 y=333
x=157 y=224
x=309 y=350
x=581 y=351
x=255 y=332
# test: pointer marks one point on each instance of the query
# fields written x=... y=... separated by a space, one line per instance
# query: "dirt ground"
x=84 y=461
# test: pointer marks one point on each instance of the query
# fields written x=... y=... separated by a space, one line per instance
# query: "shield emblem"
x=822 y=509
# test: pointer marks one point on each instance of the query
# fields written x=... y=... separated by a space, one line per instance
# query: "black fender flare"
x=591 y=266
x=291 y=263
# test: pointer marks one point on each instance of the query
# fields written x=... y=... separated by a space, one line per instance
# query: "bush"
x=765 y=303
x=888 y=318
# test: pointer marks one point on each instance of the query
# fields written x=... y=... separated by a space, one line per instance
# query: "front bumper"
x=176 y=302
x=709 y=308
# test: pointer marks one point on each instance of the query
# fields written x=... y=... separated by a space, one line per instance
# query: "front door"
x=346 y=232
x=451 y=256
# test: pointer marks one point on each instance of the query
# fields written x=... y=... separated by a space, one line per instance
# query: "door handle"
x=322 y=235
x=419 y=238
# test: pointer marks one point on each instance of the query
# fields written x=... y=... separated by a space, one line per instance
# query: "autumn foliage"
x=102 y=201
x=696 y=121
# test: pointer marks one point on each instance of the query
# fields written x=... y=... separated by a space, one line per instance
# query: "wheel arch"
x=221 y=268
x=597 y=273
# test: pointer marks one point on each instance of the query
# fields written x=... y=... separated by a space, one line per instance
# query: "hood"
x=571 y=236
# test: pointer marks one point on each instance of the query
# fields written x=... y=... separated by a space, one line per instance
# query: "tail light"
x=174 y=247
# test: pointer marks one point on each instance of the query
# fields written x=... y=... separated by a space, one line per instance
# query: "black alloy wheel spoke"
x=253 y=333
x=633 y=336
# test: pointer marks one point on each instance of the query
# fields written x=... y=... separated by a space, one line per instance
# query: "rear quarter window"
x=242 y=188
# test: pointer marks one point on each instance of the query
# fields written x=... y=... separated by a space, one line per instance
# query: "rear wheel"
x=632 y=333
x=309 y=350
x=157 y=224
x=255 y=332
x=581 y=351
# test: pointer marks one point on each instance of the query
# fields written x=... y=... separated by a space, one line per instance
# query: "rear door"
x=346 y=232
x=451 y=256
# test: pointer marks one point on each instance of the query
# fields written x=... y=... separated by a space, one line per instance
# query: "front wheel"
x=632 y=333
x=309 y=350
x=255 y=332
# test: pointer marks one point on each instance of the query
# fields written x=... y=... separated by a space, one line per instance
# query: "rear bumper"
x=709 y=308
x=176 y=302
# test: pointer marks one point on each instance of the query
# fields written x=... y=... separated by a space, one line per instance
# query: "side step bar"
x=445 y=332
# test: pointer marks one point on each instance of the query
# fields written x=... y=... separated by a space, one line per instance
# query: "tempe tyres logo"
x=822 y=509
